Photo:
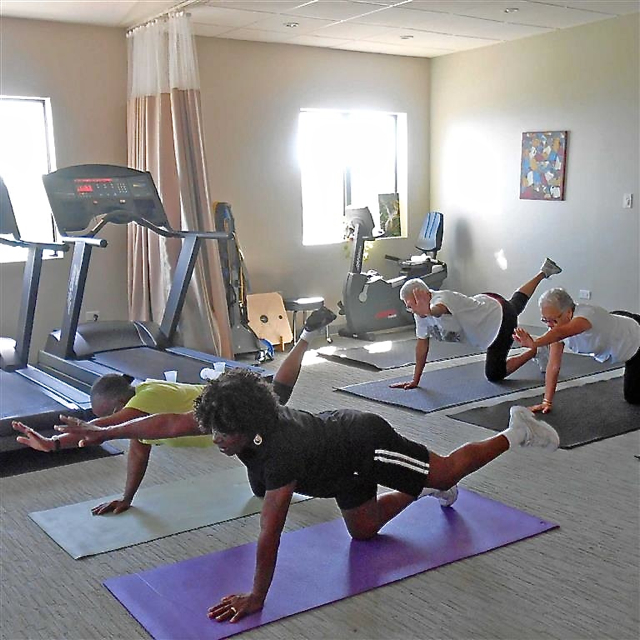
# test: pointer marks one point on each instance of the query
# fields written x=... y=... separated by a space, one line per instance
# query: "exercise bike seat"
x=429 y=242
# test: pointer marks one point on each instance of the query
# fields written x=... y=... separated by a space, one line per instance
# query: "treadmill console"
x=8 y=224
x=81 y=196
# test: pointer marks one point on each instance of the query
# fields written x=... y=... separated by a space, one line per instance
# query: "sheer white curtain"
x=165 y=137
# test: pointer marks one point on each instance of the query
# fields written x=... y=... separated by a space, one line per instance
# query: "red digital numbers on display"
x=84 y=188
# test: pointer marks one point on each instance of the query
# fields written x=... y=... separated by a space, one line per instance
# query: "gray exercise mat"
x=443 y=388
x=580 y=415
x=156 y=512
x=393 y=354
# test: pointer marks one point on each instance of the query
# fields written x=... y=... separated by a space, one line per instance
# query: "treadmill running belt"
x=20 y=397
x=24 y=400
x=145 y=362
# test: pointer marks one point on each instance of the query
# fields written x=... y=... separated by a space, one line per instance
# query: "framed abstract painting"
x=543 y=163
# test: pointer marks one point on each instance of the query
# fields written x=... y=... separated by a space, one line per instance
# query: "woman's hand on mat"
x=234 y=607
x=32 y=438
x=404 y=385
x=524 y=338
x=88 y=433
x=540 y=408
x=115 y=507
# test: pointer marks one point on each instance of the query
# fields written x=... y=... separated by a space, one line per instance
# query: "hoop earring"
x=257 y=440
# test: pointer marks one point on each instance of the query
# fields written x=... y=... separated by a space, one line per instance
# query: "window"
x=26 y=154
x=347 y=159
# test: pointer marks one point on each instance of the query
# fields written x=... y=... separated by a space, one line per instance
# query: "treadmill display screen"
x=101 y=187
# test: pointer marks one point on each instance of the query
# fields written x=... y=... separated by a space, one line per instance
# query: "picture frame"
x=543 y=164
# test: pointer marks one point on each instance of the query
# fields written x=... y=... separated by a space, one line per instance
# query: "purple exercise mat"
x=318 y=565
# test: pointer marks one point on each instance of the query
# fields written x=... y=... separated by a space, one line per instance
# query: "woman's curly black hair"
x=239 y=401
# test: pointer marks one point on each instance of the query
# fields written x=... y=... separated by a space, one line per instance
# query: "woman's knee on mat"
x=495 y=371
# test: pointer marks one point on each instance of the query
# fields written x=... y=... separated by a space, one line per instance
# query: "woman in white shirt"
x=486 y=321
x=590 y=330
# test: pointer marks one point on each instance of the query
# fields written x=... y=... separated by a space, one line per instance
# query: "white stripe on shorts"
x=401 y=460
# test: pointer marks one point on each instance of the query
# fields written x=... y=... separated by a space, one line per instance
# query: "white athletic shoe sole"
x=550 y=268
x=535 y=432
x=446 y=498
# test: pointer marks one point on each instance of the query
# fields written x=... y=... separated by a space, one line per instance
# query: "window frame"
x=399 y=168
x=17 y=254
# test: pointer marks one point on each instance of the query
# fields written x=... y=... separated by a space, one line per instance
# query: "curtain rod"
x=177 y=9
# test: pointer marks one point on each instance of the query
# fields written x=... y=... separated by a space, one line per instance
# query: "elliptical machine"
x=371 y=303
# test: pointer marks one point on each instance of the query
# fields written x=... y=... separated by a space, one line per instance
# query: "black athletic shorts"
x=383 y=457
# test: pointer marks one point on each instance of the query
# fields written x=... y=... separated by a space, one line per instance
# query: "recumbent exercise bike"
x=371 y=303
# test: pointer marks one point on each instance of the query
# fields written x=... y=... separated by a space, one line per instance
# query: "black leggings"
x=495 y=367
x=631 y=385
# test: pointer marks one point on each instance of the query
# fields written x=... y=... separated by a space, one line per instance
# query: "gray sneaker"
x=319 y=319
x=550 y=268
x=445 y=497
x=542 y=358
x=533 y=432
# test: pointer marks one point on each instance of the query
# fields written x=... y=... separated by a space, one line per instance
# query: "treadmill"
x=83 y=200
x=26 y=393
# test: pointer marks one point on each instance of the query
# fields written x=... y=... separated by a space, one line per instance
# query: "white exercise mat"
x=156 y=512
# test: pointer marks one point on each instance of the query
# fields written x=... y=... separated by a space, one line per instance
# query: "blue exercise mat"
x=443 y=388
x=391 y=354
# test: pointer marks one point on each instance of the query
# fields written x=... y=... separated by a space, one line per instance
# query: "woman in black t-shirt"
x=342 y=454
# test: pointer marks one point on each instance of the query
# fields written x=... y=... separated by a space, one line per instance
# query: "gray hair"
x=411 y=285
x=557 y=298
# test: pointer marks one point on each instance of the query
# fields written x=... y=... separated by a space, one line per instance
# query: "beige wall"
x=83 y=70
x=252 y=94
x=584 y=80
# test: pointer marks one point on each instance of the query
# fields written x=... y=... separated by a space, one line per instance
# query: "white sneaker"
x=542 y=358
x=445 y=497
x=532 y=432
x=550 y=268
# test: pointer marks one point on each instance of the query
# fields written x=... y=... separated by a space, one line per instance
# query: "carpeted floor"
x=578 y=582
x=19 y=461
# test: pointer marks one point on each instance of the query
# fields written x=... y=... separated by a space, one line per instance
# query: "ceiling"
x=424 y=28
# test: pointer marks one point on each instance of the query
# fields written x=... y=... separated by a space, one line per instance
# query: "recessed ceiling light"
x=291 y=25
x=406 y=37
x=511 y=10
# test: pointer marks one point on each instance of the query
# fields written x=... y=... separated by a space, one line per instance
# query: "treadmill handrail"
x=94 y=242
x=32 y=244
x=206 y=235
x=168 y=232
x=115 y=217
